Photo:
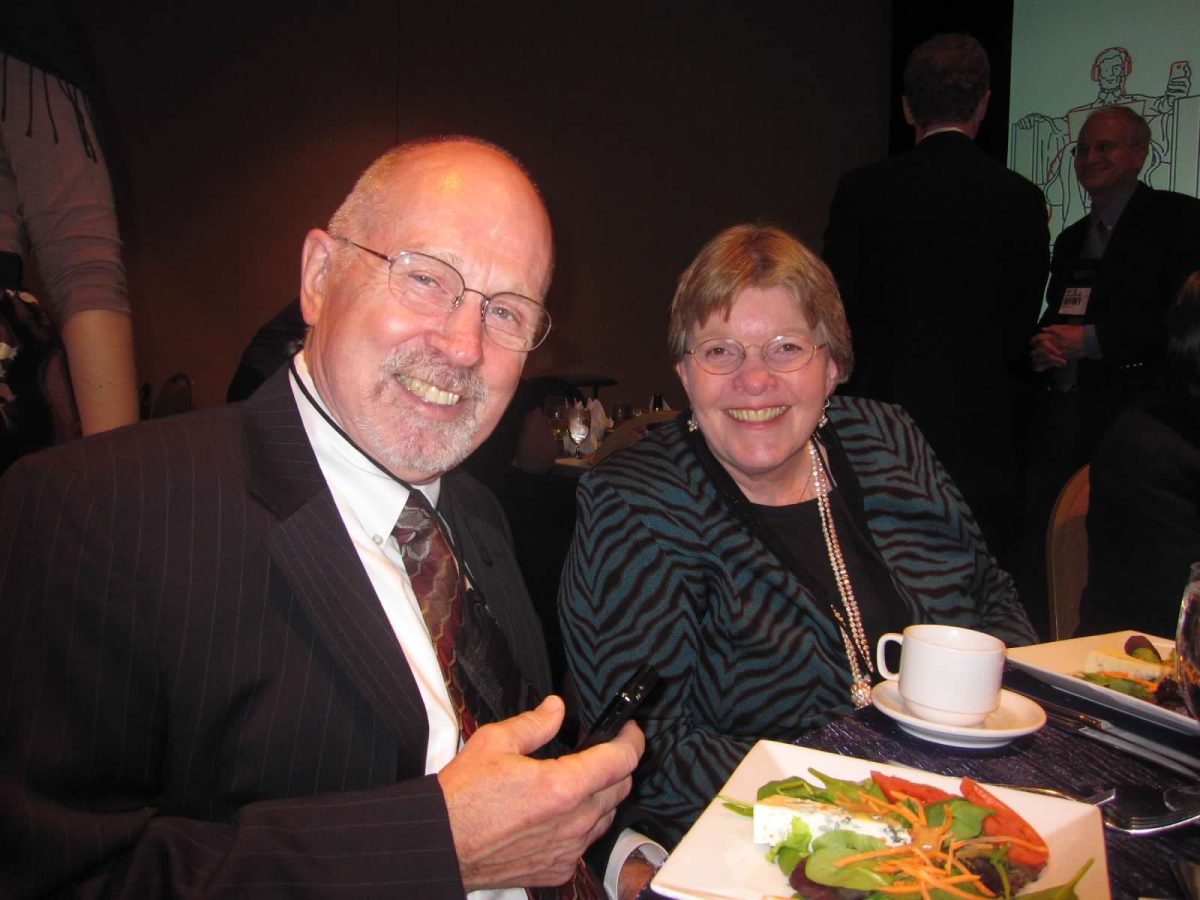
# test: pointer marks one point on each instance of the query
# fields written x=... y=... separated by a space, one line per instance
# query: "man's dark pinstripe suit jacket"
x=201 y=692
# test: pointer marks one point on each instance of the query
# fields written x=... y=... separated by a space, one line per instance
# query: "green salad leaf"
x=741 y=807
x=795 y=786
x=831 y=790
x=1122 y=685
x=967 y=819
x=828 y=849
x=788 y=852
x=1062 y=892
x=838 y=789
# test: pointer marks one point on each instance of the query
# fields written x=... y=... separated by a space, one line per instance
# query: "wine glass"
x=554 y=408
x=1187 y=644
x=578 y=426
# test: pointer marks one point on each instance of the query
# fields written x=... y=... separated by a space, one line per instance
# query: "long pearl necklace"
x=849 y=617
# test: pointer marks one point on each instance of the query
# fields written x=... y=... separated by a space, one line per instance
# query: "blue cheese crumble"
x=773 y=821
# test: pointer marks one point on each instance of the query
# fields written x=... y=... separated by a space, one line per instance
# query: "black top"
x=793 y=534
x=797 y=528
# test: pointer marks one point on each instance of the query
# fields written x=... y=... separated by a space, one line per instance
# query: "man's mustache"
x=433 y=369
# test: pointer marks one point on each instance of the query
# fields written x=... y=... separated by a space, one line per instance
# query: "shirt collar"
x=943 y=129
x=1110 y=212
x=373 y=498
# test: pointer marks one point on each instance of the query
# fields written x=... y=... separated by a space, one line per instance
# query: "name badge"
x=1075 y=301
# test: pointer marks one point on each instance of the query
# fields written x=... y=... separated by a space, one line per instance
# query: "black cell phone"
x=621 y=708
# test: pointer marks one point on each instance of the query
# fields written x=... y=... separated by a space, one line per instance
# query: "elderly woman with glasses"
x=754 y=549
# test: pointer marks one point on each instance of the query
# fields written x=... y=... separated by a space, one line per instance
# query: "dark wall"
x=650 y=126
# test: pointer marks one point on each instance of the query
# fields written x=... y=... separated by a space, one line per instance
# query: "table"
x=570 y=466
x=1049 y=758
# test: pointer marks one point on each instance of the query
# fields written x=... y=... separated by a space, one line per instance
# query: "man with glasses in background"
x=1114 y=274
x=1102 y=336
x=282 y=648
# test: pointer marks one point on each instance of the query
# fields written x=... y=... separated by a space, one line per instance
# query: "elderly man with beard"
x=282 y=648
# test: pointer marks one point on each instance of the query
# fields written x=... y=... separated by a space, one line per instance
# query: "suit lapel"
x=1130 y=228
x=1070 y=243
x=311 y=548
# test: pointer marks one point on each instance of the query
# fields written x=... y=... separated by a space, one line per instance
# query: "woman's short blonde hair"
x=760 y=256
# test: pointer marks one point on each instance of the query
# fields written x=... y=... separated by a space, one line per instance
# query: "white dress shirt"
x=370 y=504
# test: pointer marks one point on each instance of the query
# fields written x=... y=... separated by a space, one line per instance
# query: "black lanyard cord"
x=441 y=520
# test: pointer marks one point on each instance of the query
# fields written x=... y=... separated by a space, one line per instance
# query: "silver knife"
x=1190 y=763
x=1074 y=723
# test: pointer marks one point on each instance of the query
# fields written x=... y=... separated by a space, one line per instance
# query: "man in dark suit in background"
x=1114 y=274
x=941 y=255
x=1102 y=341
x=220 y=671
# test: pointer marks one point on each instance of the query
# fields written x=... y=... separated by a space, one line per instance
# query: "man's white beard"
x=412 y=444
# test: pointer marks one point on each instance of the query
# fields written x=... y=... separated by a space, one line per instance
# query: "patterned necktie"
x=433 y=571
x=1097 y=239
x=436 y=581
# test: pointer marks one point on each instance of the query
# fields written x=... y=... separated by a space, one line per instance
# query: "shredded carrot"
x=920 y=812
x=882 y=807
x=871 y=854
x=1151 y=686
x=930 y=861
x=1000 y=839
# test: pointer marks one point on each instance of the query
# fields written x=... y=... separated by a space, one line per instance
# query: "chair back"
x=174 y=397
x=1067 y=555
x=632 y=431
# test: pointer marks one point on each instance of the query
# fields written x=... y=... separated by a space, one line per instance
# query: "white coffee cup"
x=948 y=674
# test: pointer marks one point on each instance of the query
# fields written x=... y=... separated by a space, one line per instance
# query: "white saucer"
x=1015 y=717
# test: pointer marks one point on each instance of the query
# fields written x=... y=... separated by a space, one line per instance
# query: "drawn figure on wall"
x=1039 y=143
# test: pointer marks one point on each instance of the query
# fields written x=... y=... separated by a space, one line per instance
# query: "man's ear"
x=316 y=260
x=907 y=112
x=981 y=109
x=1145 y=151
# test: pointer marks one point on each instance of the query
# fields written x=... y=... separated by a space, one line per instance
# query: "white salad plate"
x=1061 y=662
x=1015 y=717
x=718 y=859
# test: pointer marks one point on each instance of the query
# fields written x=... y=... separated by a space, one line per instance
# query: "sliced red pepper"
x=1005 y=822
x=922 y=793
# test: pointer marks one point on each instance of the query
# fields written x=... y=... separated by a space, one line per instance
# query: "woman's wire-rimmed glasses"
x=430 y=286
x=785 y=353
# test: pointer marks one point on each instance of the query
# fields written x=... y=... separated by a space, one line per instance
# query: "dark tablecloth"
x=1050 y=758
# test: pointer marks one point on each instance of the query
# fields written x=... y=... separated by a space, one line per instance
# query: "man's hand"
x=521 y=822
x=1055 y=346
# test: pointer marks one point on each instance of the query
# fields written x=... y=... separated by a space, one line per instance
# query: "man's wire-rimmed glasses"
x=1104 y=148
x=785 y=353
x=428 y=285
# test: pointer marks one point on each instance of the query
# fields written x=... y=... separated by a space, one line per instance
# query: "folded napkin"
x=599 y=427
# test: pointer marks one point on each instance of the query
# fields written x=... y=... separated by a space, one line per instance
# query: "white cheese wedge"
x=773 y=821
x=1116 y=661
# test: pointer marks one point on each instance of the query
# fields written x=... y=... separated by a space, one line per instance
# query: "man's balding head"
x=420 y=391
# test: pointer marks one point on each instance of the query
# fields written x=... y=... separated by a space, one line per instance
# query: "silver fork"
x=1098 y=799
x=1116 y=818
